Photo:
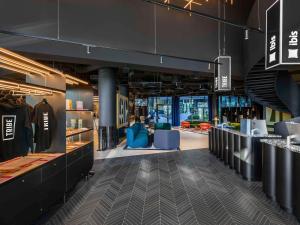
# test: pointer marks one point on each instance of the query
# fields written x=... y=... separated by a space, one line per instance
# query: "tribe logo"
x=46 y=121
x=8 y=127
x=272 y=56
x=293 y=45
x=224 y=83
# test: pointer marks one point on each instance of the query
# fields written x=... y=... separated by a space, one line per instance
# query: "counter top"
x=246 y=135
x=281 y=143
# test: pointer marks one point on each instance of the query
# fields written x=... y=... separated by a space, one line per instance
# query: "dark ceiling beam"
x=204 y=15
x=89 y=46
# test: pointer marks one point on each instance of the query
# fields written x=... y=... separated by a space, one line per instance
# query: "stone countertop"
x=281 y=143
x=246 y=135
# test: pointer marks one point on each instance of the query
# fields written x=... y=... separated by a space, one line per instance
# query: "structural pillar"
x=107 y=105
x=214 y=106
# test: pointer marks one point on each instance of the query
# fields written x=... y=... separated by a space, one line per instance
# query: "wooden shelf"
x=18 y=166
x=77 y=131
x=77 y=146
x=79 y=110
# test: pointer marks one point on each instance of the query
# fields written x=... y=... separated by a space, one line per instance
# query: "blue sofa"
x=137 y=136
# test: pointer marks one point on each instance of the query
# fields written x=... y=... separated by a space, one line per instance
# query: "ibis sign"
x=282 y=34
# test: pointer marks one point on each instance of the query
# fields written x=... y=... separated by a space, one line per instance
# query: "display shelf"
x=76 y=145
x=79 y=110
x=21 y=165
x=73 y=132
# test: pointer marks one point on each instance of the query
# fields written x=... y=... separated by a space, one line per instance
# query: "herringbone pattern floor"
x=190 y=187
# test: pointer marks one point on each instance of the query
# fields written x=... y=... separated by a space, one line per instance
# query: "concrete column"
x=107 y=99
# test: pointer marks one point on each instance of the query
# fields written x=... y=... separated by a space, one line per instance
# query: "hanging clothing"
x=45 y=124
x=14 y=123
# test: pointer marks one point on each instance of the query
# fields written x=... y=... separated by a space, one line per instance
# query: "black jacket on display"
x=14 y=124
x=45 y=124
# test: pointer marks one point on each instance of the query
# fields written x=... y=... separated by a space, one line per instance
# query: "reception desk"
x=241 y=152
x=281 y=181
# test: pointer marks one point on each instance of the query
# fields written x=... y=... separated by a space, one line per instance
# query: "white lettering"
x=273 y=43
x=293 y=38
x=46 y=121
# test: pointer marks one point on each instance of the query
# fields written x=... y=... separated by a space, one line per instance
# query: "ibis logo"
x=293 y=51
x=272 y=56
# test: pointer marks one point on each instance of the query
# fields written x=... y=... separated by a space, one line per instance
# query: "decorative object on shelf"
x=69 y=104
x=79 y=105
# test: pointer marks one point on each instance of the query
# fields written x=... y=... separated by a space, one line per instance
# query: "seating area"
x=161 y=137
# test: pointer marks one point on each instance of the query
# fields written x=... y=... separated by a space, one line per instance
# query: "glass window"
x=194 y=108
x=160 y=109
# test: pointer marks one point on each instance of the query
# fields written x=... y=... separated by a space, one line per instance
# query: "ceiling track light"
x=30 y=62
x=75 y=79
x=19 y=65
x=246 y=34
x=25 y=88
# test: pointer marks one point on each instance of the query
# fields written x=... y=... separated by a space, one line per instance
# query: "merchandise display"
x=44 y=153
x=20 y=165
x=16 y=129
x=45 y=123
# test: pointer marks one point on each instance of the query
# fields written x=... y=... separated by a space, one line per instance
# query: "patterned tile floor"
x=187 y=187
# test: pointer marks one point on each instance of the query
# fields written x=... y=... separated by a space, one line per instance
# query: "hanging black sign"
x=273 y=35
x=222 y=73
x=282 y=34
x=290 y=21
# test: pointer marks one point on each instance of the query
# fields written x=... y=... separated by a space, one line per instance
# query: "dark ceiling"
x=145 y=81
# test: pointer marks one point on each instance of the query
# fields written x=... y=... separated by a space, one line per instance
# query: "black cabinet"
x=20 y=199
x=79 y=163
x=53 y=182
x=25 y=198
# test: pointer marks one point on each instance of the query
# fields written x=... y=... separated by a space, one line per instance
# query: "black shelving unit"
x=80 y=157
x=32 y=192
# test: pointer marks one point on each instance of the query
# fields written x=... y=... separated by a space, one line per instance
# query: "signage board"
x=222 y=78
x=282 y=34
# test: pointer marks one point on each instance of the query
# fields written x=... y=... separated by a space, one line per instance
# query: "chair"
x=137 y=136
x=162 y=126
x=185 y=124
x=204 y=126
x=166 y=139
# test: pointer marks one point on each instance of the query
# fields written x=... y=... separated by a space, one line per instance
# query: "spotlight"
x=246 y=34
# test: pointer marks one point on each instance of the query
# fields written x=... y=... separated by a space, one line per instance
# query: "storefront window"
x=194 y=108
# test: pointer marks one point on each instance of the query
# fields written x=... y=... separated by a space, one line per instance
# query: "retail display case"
x=44 y=151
